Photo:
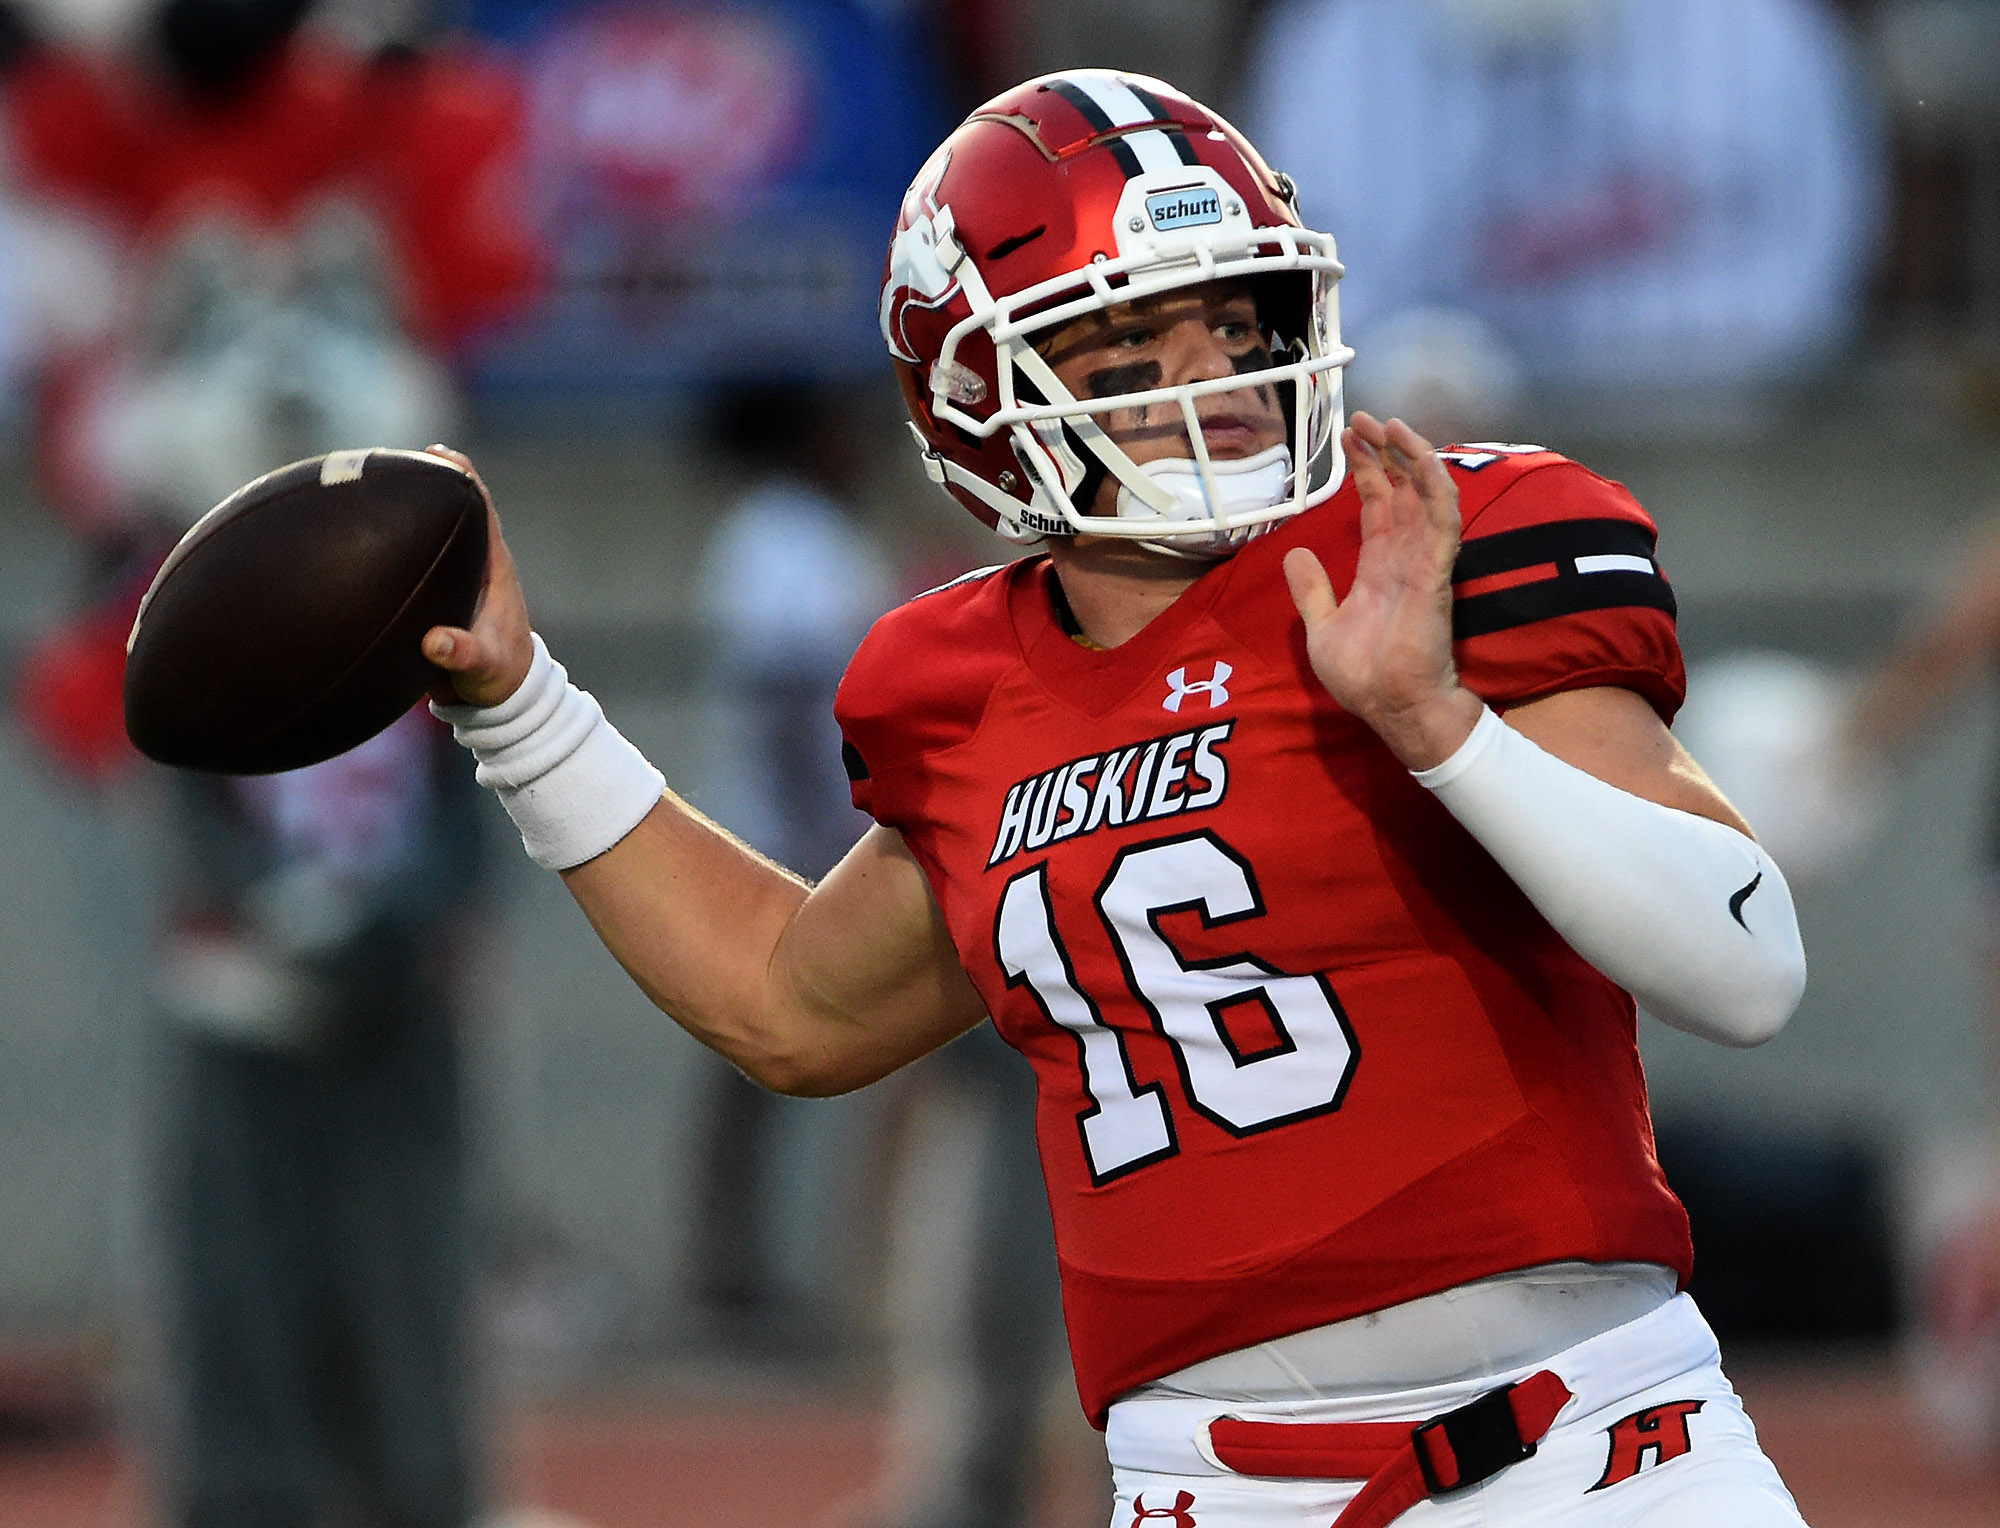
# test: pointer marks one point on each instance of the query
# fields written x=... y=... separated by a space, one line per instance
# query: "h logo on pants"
x=1661 y=1431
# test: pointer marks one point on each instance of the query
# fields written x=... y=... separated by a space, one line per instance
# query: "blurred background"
x=510 y=1248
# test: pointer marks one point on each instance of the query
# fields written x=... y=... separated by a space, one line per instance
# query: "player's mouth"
x=1232 y=435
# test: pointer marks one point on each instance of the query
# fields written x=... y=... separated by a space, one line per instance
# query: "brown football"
x=285 y=626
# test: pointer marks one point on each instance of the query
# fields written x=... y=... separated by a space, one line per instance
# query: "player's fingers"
x=1365 y=468
x=461 y=461
x=1437 y=494
x=1404 y=452
x=1384 y=443
x=1406 y=441
x=1368 y=427
x=1363 y=465
x=1312 y=590
x=489 y=656
x=500 y=571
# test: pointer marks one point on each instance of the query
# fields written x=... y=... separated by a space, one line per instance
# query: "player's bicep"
x=869 y=957
x=1616 y=735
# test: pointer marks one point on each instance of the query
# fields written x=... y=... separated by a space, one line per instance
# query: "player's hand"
x=1384 y=652
x=486 y=663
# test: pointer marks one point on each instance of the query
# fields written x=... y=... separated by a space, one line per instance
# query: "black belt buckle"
x=1484 y=1439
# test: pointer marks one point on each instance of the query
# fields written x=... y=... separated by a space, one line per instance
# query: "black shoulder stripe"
x=1504 y=609
x=1558 y=541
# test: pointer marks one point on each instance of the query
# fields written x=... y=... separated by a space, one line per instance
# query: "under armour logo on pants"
x=1178 y=1514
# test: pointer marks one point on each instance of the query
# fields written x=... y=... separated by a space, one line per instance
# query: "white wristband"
x=572 y=783
x=1688 y=915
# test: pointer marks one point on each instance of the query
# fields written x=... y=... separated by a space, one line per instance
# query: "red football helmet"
x=1066 y=196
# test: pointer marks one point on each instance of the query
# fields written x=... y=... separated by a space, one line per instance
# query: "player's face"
x=1184 y=336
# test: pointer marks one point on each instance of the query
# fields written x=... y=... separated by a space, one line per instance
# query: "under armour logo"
x=1661 y=1431
x=1216 y=689
x=1178 y=1514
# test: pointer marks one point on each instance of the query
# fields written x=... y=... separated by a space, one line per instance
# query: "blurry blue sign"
x=716 y=185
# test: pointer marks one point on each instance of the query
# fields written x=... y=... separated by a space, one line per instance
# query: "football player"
x=1302 y=804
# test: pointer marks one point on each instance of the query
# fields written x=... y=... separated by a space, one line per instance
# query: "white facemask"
x=1241 y=484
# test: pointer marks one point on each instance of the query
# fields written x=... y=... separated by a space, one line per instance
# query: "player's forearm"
x=694 y=916
x=1687 y=914
x=731 y=947
x=818 y=1000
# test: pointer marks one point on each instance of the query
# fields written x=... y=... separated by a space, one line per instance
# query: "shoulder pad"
x=922 y=675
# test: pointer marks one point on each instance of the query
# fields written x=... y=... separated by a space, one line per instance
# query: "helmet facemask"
x=1192 y=504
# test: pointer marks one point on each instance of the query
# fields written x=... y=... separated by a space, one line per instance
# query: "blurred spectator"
x=58 y=274
x=974 y=1314
x=1940 y=62
x=791 y=581
x=1442 y=371
x=1629 y=192
x=13 y=318
x=230 y=111
x=1954 y=1226
x=713 y=182
x=250 y=167
x=314 y=1194
x=308 y=231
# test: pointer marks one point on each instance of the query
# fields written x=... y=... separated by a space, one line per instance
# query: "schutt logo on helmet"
x=1183 y=209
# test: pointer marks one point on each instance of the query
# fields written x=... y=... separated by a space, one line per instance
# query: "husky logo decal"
x=923 y=259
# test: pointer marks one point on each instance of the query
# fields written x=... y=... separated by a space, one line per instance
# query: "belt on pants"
x=1402 y=1463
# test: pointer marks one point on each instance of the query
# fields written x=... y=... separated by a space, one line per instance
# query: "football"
x=285 y=627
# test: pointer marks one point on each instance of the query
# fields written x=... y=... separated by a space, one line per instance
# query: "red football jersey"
x=1302 y=1049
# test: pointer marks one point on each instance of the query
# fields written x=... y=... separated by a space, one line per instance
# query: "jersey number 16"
x=1304 y=1073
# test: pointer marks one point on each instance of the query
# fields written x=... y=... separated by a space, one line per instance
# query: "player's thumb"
x=1312 y=590
x=480 y=667
x=452 y=649
x=467 y=677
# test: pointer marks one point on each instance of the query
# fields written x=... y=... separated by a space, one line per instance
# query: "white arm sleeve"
x=1689 y=916
x=572 y=783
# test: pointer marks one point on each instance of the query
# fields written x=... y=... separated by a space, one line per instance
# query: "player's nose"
x=1195 y=354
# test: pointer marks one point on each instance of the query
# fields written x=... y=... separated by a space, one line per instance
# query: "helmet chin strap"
x=1242 y=484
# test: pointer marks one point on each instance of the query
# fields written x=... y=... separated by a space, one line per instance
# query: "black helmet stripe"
x=1100 y=122
x=1109 y=103
x=1175 y=135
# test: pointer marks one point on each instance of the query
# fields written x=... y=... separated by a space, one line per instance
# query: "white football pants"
x=1653 y=1437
